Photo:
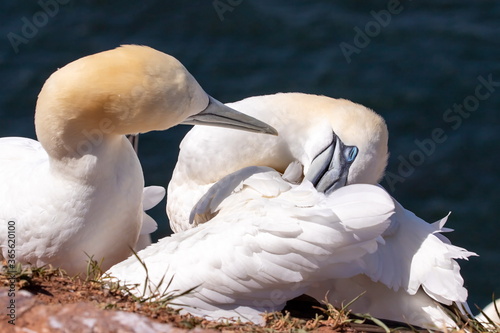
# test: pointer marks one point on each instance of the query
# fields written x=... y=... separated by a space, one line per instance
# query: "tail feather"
x=423 y=256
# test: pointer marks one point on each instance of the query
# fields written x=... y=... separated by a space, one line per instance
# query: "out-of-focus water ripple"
x=427 y=57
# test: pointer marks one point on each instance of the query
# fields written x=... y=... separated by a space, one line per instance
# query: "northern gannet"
x=270 y=218
x=308 y=124
x=77 y=193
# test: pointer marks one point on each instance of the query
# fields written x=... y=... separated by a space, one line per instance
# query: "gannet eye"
x=352 y=152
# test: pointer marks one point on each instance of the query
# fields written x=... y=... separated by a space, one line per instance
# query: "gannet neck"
x=130 y=89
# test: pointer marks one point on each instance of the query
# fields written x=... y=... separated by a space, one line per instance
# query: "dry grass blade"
x=491 y=326
x=94 y=270
x=151 y=292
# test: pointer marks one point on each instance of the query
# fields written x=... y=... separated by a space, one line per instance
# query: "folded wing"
x=268 y=242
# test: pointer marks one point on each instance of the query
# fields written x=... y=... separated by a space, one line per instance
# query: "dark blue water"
x=425 y=66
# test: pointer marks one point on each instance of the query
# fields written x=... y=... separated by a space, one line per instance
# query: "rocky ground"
x=50 y=301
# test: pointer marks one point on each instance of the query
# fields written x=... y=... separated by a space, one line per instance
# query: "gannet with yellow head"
x=269 y=230
x=77 y=192
x=309 y=127
x=264 y=219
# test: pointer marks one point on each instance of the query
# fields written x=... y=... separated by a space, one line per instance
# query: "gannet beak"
x=218 y=114
x=330 y=168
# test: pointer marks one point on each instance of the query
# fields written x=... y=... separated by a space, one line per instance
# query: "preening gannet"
x=308 y=125
x=78 y=191
x=270 y=218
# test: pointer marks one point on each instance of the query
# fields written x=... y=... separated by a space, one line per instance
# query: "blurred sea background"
x=430 y=68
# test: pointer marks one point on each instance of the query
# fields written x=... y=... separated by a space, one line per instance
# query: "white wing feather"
x=415 y=255
x=151 y=196
x=259 y=251
x=408 y=278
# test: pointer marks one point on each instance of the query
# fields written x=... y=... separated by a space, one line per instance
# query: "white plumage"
x=246 y=264
x=151 y=196
x=253 y=231
x=410 y=276
x=307 y=124
x=78 y=192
